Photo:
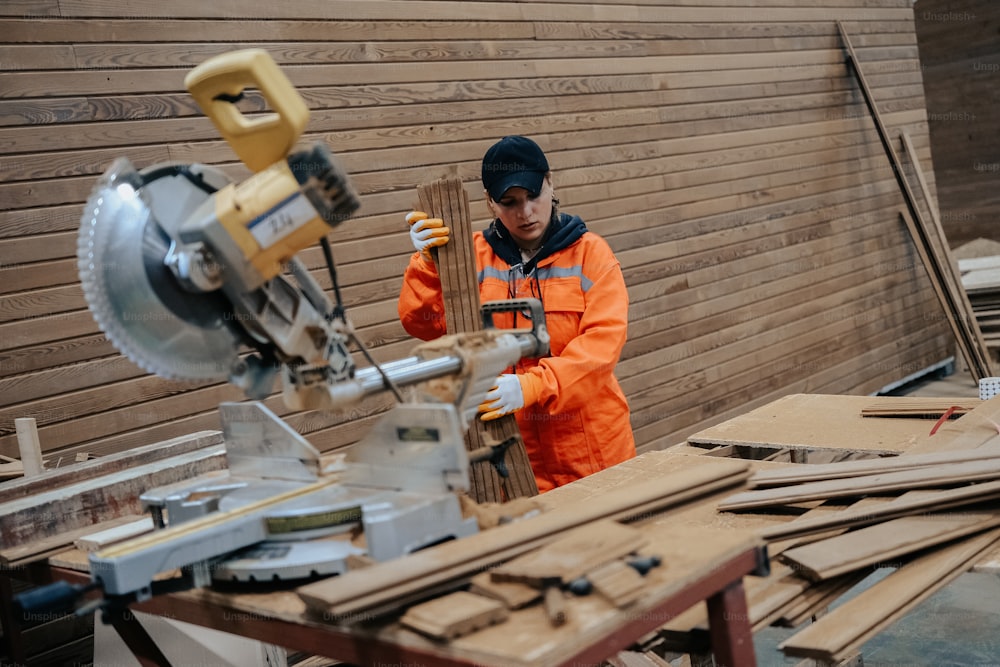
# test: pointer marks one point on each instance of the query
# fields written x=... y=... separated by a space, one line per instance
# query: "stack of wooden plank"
x=981 y=280
x=929 y=514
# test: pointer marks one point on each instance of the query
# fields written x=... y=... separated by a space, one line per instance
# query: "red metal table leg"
x=729 y=628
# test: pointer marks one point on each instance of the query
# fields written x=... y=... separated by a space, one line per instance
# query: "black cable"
x=338 y=306
x=339 y=312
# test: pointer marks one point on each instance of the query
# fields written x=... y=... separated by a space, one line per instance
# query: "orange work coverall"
x=576 y=420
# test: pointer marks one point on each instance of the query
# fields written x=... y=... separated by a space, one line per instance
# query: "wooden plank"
x=944 y=475
x=978 y=263
x=620 y=583
x=84 y=503
x=572 y=555
x=102 y=538
x=918 y=406
x=447 y=198
x=846 y=628
x=454 y=615
x=905 y=505
x=817 y=598
x=884 y=542
x=813 y=473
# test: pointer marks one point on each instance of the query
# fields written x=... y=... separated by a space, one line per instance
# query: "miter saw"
x=195 y=277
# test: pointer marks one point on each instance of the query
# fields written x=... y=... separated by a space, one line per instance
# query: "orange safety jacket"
x=576 y=420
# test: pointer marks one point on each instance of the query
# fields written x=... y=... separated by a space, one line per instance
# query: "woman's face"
x=525 y=216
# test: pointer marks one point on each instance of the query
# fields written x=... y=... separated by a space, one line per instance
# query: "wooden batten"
x=447 y=199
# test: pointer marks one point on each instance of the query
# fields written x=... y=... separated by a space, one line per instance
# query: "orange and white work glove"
x=504 y=398
x=426 y=233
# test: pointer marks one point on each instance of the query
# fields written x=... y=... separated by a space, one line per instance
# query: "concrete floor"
x=957 y=627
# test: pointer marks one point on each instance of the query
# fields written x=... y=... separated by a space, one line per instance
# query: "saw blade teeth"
x=119 y=240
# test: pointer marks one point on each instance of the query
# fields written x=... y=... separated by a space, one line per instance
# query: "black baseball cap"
x=514 y=161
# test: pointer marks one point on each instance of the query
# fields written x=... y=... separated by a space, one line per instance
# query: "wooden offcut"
x=43 y=547
x=454 y=615
x=905 y=505
x=447 y=199
x=98 y=539
x=28 y=446
x=512 y=593
x=620 y=583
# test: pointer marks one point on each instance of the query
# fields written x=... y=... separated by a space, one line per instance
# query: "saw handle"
x=218 y=83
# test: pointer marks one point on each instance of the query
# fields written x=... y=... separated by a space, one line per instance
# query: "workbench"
x=704 y=561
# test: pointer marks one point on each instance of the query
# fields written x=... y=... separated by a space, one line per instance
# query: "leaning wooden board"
x=446 y=198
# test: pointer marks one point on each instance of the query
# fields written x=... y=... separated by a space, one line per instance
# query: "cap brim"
x=529 y=180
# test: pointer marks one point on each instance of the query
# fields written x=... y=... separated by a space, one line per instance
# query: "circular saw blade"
x=125 y=232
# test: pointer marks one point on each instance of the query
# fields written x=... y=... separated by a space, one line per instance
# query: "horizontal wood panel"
x=721 y=147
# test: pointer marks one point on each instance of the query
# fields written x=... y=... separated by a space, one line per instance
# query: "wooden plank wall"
x=959 y=44
x=721 y=146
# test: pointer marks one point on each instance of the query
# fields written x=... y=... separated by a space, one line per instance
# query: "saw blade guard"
x=136 y=301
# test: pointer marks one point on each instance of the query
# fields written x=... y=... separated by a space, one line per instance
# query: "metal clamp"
x=535 y=314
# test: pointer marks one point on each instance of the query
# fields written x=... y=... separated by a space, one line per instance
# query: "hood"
x=563 y=232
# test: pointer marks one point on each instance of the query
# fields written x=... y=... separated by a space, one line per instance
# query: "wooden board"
x=99 y=539
x=919 y=406
x=884 y=542
x=941 y=476
x=447 y=199
x=816 y=421
x=905 y=505
x=454 y=615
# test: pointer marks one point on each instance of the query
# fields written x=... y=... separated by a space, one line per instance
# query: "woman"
x=573 y=415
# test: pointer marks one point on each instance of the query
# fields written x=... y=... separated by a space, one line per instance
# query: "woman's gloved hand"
x=504 y=398
x=426 y=233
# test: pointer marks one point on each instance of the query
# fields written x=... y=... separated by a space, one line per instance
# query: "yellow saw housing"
x=291 y=201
